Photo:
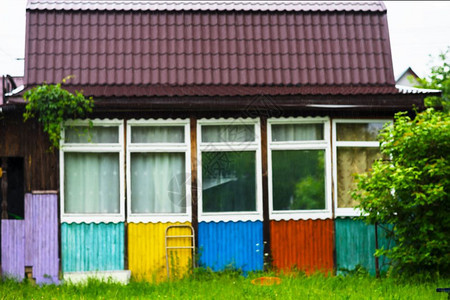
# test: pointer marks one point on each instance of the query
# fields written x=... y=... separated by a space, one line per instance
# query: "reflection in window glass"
x=297 y=132
x=228 y=181
x=351 y=161
x=228 y=133
x=298 y=179
x=158 y=183
x=91 y=183
x=157 y=134
x=358 y=131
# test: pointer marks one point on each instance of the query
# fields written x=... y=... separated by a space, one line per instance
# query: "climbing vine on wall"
x=51 y=105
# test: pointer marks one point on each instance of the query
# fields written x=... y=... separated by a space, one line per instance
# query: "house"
x=244 y=120
x=9 y=84
x=408 y=78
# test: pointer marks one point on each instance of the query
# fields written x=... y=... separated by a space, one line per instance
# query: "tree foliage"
x=51 y=105
x=410 y=190
x=439 y=78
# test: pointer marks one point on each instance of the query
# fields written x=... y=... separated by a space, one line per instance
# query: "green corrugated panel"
x=92 y=247
x=355 y=245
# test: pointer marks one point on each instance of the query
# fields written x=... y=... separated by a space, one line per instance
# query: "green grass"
x=231 y=285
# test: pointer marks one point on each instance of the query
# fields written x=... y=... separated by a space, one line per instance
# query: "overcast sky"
x=417 y=29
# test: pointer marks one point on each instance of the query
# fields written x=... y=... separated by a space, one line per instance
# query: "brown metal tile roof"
x=210 y=52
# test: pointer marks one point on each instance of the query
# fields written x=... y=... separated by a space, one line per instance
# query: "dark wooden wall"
x=28 y=141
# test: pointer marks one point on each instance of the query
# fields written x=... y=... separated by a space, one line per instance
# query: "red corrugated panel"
x=304 y=244
x=299 y=49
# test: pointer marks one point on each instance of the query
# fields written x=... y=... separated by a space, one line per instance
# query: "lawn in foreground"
x=231 y=285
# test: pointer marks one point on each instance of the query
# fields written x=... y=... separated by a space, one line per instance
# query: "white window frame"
x=184 y=147
x=254 y=146
x=349 y=212
x=301 y=145
x=94 y=148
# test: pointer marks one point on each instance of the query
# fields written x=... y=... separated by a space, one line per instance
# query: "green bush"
x=410 y=190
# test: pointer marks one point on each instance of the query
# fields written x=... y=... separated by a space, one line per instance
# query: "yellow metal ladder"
x=190 y=236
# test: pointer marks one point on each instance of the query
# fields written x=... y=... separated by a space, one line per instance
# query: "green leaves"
x=51 y=105
x=412 y=190
x=439 y=79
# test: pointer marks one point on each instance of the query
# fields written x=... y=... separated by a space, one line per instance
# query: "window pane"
x=158 y=183
x=157 y=134
x=358 y=131
x=298 y=179
x=91 y=183
x=98 y=135
x=352 y=161
x=228 y=133
x=229 y=181
x=297 y=132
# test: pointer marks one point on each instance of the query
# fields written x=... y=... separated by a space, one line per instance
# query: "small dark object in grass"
x=444 y=290
x=266 y=281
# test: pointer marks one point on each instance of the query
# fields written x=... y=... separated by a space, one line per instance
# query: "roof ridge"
x=206 y=5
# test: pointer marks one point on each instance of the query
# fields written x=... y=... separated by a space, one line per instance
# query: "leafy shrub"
x=411 y=191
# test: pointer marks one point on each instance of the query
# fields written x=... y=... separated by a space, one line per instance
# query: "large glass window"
x=355 y=149
x=229 y=165
x=299 y=168
x=91 y=175
x=158 y=171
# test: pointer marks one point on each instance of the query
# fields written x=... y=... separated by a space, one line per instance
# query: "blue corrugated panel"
x=92 y=247
x=231 y=244
x=355 y=245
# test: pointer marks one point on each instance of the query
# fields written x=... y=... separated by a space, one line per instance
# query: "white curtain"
x=91 y=183
x=98 y=135
x=297 y=132
x=228 y=133
x=157 y=134
x=158 y=183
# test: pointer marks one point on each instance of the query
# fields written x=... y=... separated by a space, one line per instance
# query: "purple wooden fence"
x=33 y=241
x=41 y=236
x=13 y=248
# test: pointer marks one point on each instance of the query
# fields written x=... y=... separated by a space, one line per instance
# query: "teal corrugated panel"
x=92 y=247
x=355 y=245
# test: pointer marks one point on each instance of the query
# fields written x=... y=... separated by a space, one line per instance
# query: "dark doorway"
x=15 y=188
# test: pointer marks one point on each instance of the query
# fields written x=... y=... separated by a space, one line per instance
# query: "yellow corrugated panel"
x=146 y=251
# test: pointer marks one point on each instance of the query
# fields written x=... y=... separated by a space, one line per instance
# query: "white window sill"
x=230 y=217
x=159 y=218
x=304 y=215
x=92 y=218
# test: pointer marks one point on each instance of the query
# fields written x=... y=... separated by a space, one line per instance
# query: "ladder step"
x=181 y=247
x=179 y=236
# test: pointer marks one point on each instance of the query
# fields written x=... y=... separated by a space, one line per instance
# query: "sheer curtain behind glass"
x=354 y=160
x=91 y=183
x=297 y=132
x=351 y=161
x=157 y=134
x=158 y=179
x=158 y=183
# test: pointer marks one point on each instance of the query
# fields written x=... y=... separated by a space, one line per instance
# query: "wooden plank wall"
x=27 y=140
